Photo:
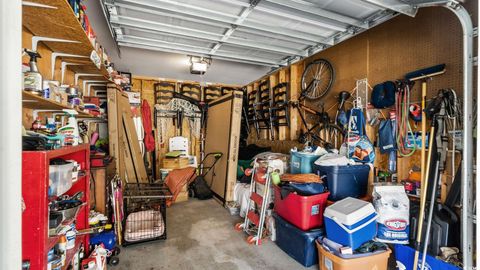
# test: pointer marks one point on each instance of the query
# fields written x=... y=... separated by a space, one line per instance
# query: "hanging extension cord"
x=403 y=124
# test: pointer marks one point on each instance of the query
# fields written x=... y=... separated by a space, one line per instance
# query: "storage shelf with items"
x=61 y=22
x=41 y=230
x=35 y=102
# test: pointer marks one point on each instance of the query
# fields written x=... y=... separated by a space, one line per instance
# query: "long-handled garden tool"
x=424 y=75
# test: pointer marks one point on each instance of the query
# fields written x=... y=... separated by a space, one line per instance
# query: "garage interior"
x=239 y=134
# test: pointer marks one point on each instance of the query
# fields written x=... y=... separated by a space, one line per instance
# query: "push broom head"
x=425 y=73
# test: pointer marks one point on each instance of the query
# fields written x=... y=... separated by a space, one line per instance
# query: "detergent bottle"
x=70 y=131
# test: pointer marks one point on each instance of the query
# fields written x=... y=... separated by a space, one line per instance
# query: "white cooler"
x=350 y=222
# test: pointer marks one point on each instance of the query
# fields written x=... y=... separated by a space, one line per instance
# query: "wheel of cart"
x=254 y=222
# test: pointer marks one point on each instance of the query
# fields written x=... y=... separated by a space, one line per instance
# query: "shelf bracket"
x=36 y=39
x=32 y=4
x=94 y=84
x=85 y=82
x=64 y=66
x=57 y=54
x=78 y=75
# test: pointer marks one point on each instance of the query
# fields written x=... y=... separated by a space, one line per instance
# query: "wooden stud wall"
x=145 y=85
x=386 y=52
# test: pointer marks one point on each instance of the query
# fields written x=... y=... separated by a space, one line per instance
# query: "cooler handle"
x=357 y=228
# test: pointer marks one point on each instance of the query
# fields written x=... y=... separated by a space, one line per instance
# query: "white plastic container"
x=350 y=222
x=60 y=178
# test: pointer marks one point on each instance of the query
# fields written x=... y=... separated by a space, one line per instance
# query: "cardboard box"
x=183 y=195
x=175 y=163
x=223 y=134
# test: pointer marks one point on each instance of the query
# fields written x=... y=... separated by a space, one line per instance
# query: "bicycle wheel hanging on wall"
x=317 y=79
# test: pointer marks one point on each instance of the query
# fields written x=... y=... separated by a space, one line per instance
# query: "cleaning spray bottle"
x=32 y=80
x=70 y=130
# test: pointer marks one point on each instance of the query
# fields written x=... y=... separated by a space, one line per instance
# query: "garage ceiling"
x=263 y=32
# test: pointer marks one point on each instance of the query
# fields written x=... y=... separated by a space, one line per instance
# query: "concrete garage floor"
x=201 y=236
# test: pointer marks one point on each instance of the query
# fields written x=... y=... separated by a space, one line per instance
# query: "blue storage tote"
x=405 y=254
x=350 y=222
x=298 y=244
x=302 y=162
x=344 y=181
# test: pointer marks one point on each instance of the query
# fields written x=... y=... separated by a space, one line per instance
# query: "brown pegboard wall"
x=388 y=52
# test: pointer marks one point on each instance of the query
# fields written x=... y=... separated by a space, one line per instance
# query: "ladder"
x=254 y=222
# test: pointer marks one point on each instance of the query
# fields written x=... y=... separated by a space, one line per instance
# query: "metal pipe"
x=430 y=209
x=11 y=135
x=467 y=159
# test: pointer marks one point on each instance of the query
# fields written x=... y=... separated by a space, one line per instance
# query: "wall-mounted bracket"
x=57 y=54
x=85 y=82
x=78 y=75
x=36 y=39
x=94 y=84
x=64 y=66
x=32 y=4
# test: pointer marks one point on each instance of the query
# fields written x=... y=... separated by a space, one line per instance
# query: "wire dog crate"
x=146 y=212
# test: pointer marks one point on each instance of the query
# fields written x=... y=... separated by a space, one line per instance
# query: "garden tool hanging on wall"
x=424 y=75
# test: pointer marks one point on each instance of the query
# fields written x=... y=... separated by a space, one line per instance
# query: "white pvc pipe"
x=11 y=134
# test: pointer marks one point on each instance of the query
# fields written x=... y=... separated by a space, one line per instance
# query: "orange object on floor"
x=177 y=179
x=329 y=261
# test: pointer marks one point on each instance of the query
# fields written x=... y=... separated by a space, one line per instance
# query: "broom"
x=424 y=75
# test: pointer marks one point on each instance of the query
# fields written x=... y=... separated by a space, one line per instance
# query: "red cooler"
x=305 y=212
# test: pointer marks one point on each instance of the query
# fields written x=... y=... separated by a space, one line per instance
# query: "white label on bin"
x=315 y=210
x=328 y=264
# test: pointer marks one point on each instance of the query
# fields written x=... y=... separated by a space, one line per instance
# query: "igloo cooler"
x=298 y=244
x=350 y=222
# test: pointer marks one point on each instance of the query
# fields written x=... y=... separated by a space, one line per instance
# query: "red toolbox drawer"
x=305 y=212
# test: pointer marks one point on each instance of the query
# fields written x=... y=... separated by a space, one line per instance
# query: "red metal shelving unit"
x=35 y=177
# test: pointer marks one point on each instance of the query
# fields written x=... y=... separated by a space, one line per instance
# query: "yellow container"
x=328 y=261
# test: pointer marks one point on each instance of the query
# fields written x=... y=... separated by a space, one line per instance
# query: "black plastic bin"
x=344 y=181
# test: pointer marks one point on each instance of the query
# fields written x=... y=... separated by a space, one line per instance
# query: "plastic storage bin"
x=405 y=254
x=60 y=179
x=302 y=162
x=305 y=212
x=350 y=222
x=344 y=181
x=329 y=261
x=296 y=243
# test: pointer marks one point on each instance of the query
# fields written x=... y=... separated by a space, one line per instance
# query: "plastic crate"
x=301 y=162
x=344 y=181
x=305 y=212
x=405 y=254
x=298 y=244
x=60 y=178
x=329 y=261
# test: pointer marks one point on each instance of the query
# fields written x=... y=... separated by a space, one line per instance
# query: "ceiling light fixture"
x=199 y=65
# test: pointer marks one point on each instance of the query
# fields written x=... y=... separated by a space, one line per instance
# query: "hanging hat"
x=383 y=95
